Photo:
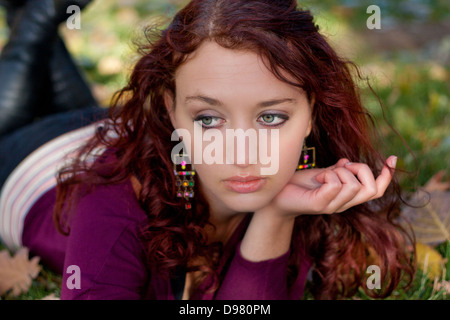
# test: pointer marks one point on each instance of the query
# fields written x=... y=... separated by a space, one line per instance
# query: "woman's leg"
x=58 y=85
x=23 y=65
x=17 y=145
x=69 y=89
x=24 y=61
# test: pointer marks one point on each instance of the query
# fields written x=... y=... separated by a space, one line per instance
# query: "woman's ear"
x=309 y=128
x=169 y=103
x=311 y=104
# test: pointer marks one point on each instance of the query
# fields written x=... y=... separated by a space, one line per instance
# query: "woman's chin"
x=247 y=203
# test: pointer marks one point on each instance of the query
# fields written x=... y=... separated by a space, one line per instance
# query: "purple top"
x=104 y=244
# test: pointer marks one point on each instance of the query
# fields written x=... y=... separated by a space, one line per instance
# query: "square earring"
x=184 y=173
x=307 y=158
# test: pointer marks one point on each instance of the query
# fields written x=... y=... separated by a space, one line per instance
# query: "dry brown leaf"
x=436 y=183
x=431 y=221
x=17 y=272
x=430 y=214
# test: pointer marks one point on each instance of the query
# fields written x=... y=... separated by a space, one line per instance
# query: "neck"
x=223 y=228
x=224 y=221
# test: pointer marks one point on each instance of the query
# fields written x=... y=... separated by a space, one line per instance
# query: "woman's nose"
x=241 y=147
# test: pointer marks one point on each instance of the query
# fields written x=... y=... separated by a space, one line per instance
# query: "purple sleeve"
x=247 y=280
x=104 y=248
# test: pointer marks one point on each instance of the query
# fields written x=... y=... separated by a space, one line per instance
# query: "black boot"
x=66 y=89
x=24 y=61
x=69 y=88
x=11 y=7
x=23 y=64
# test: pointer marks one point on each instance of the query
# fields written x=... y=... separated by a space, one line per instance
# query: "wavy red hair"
x=341 y=245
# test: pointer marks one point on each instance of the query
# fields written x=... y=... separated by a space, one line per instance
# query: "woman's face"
x=221 y=90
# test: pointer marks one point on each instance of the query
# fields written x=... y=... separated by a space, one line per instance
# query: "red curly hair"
x=340 y=246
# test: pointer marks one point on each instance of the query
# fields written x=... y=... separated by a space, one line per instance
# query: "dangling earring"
x=308 y=158
x=184 y=178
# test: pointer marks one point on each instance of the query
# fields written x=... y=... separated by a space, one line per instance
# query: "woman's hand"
x=313 y=191
x=332 y=189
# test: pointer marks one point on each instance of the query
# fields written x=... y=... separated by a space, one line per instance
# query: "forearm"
x=268 y=236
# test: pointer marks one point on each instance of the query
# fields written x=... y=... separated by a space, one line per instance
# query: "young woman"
x=227 y=221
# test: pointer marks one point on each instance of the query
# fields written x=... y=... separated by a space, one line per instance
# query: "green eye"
x=272 y=119
x=207 y=120
x=269 y=118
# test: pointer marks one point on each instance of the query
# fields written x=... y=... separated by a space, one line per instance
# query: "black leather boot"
x=69 y=88
x=23 y=64
x=11 y=6
x=24 y=61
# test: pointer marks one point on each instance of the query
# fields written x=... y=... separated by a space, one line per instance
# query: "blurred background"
x=406 y=62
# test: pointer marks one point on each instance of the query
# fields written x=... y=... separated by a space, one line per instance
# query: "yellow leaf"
x=429 y=260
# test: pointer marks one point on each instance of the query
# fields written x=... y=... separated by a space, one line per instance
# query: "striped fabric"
x=34 y=176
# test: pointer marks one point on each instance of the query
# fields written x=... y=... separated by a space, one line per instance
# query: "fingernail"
x=394 y=162
x=348 y=163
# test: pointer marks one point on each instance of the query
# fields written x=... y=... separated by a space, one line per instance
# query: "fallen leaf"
x=50 y=297
x=17 y=272
x=436 y=183
x=429 y=260
x=443 y=285
x=429 y=217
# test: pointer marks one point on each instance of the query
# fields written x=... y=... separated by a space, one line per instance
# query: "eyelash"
x=280 y=116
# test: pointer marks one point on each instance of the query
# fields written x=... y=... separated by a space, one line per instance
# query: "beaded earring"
x=308 y=158
x=184 y=178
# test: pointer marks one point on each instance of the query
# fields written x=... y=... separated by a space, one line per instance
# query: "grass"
x=423 y=287
x=411 y=86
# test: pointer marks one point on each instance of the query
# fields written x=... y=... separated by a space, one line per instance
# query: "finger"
x=369 y=192
x=327 y=192
x=365 y=176
x=386 y=175
x=368 y=187
x=312 y=201
x=351 y=187
x=340 y=163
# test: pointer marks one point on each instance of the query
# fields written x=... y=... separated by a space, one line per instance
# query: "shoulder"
x=107 y=216
x=115 y=201
x=104 y=242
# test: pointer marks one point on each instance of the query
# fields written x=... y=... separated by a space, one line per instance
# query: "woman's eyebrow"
x=274 y=102
x=208 y=100
x=215 y=102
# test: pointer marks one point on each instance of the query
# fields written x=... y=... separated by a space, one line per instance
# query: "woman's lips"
x=244 y=185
